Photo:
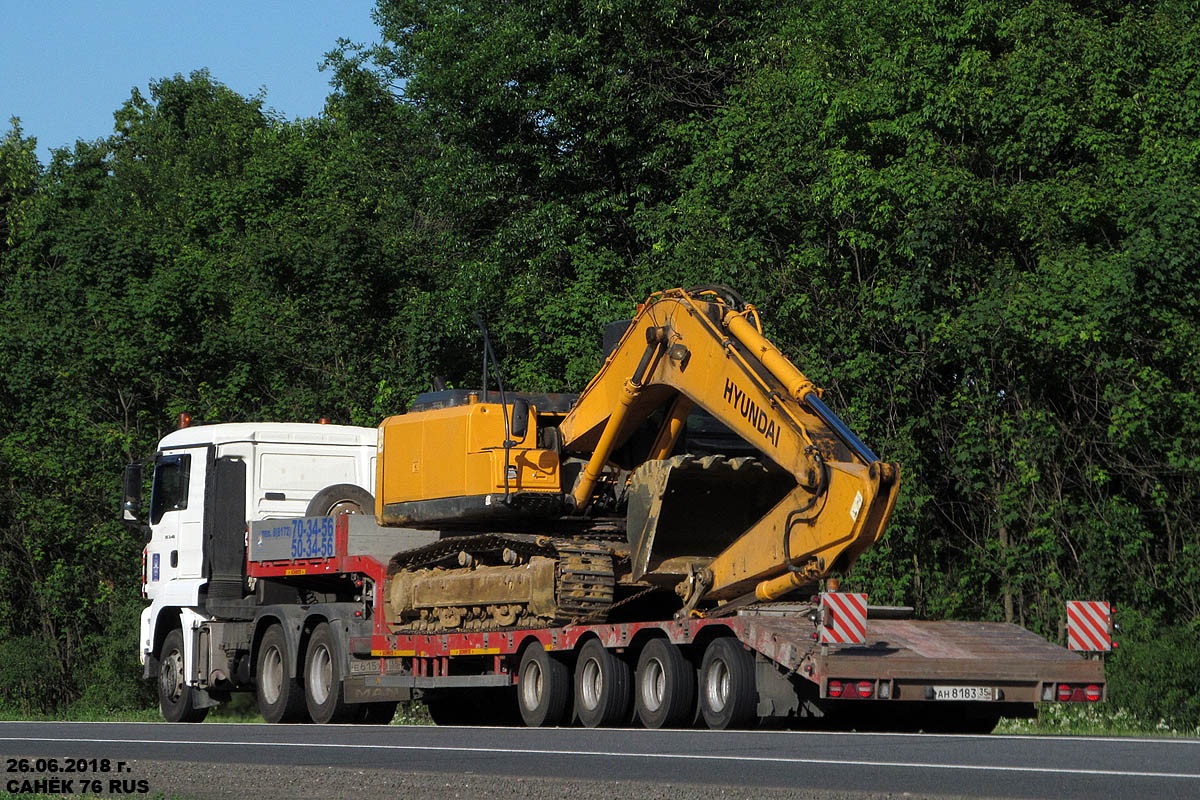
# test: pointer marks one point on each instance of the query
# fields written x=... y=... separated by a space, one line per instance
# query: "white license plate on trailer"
x=963 y=693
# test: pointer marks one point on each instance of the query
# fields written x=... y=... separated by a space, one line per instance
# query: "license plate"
x=963 y=693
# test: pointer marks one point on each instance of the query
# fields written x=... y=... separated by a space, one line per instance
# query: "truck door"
x=177 y=516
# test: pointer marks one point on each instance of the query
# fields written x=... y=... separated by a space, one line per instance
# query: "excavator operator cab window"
x=170 y=490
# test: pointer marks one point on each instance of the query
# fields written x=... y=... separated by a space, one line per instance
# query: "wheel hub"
x=592 y=683
x=716 y=685
x=654 y=685
x=321 y=674
x=171 y=676
x=272 y=675
x=531 y=685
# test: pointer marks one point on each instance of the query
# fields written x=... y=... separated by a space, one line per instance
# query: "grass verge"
x=241 y=708
x=1075 y=719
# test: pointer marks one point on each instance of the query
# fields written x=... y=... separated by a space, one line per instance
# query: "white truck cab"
x=210 y=481
x=285 y=465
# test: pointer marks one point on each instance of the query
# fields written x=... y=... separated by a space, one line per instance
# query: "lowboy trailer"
x=778 y=663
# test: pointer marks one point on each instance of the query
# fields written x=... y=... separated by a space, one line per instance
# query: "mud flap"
x=685 y=509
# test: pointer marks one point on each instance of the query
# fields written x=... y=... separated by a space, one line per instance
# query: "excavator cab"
x=460 y=460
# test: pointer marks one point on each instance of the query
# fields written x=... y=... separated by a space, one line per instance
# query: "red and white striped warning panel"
x=843 y=617
x=1089 y=625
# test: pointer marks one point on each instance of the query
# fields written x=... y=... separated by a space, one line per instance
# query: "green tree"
x=18 y=179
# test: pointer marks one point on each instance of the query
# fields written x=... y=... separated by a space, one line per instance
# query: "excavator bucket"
x=684 y=510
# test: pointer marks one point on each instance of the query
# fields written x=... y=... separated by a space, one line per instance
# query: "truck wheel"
x=176 y=700
x=323 y=679
x=665 y=691
x=728 y=698
x=280 y=698
x=375 y=713
x=602 y=686
x=341 y=498
x=543 y=687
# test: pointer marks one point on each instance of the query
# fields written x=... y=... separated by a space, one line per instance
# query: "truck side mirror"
x=131 y=503
x=520 y=419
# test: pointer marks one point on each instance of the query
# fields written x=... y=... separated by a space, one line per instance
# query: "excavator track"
x=584 y=577
x=586 y=581
x=444 y=551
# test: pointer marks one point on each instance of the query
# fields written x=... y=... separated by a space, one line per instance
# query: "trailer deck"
x=989 y=665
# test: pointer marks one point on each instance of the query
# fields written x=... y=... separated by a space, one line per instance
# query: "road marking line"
x=1057 y=738
x=608 y=754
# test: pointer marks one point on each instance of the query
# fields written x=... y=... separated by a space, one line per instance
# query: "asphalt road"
x=814 y=764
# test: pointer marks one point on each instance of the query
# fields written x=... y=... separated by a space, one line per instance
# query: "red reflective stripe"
x=838 y=620
x=847 y=618
x=1081 y=633
x=856 y=607
x=1088 y=624
x=1097 y=614
x=836 y=627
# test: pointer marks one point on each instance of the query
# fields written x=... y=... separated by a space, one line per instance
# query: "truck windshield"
x=170 y=490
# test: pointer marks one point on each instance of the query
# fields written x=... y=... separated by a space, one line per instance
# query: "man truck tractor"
x=208 y=481
x=651 y=550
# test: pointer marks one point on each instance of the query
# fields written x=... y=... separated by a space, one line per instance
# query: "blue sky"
x=65 y=67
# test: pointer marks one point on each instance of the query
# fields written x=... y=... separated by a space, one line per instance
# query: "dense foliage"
x=977 y=224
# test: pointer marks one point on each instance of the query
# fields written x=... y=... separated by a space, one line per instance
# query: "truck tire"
x=728 y=697
x=375 y=713
x=543 y=688
x=664 y=685
x=341 y=498
x=603 y=686
x=176 y=700
x=280 y=698
x=323 y=679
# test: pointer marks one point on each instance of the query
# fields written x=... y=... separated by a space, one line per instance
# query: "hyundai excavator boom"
x=698 y=349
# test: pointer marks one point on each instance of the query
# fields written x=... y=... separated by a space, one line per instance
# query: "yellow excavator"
x=698 y=459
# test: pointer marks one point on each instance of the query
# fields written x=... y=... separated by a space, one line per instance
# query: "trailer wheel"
x=176 y=700
x=602 y=686
x=341 y=498
x=728 y=698
x=543 y=687
x=665 y=685
x=323 y=679
x=280 y=698
x=375 y=713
